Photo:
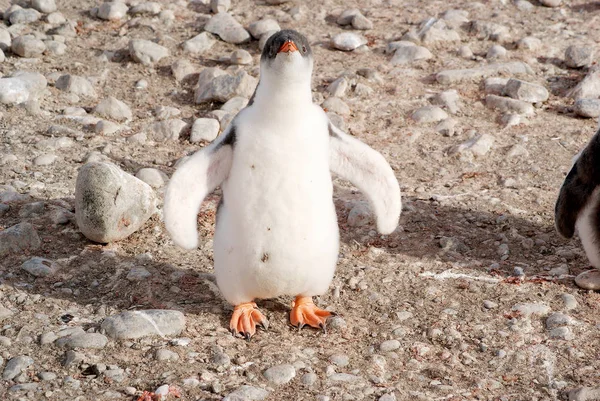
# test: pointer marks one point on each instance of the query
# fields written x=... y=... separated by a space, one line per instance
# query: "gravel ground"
x=478 y=106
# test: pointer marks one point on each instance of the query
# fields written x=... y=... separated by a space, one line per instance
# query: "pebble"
x=28 y=46
x=529 y=43
x=147 y=52
x=240 y=57
x=409 y=54
x=24 y=16
x=44 y=160
x=75 y=84
x=215 y=84
x=561 y=333
x=429 y=114
x=496 y=52
x=227 y=28
x=529 y=309
x=347 y=41
x=339 y=360
x=449 y=99
x=495 y=85
x=44 y=6
x=360 y=215
x=113 y=109
x=48 y=338
x=479 y=145
x=112 y=11
x=247 y=393
x=361 y=22
x=166 y=355
x=588 y=108
x=144 y=323
x=138 y=274
x=280 y=374
x=525 y=91
x=558 y=319
x=569 y=301
x=83 y=340
x=338 y=87
x=589 y=280
x=220 y=6
x=109 y=203
x=388 y=397
x=579 y=56
x=509 y=105
x=204 y=129
x=589 y=87
x=105 y=127
x=47 y=376
x=15 y=366
x=148 y=8
x=389 y=345
x=309 y=379
x=40 y=267
x=162 y=131
x=23 y=387
x=56 y=48
x=470 y=74
x=550 y=3
x=489 y=304
x=199 y=43
x=344 y=377
x=259 y=28
x=72 y=358
x=18 y=239
x=182 y=69
x=336 y=105
x=153 y=177
x=584 y=394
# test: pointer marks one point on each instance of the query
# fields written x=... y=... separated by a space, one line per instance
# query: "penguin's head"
x=287 y=55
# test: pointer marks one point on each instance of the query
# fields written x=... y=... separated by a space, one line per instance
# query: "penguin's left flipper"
x=368 y=170
x=194 y=179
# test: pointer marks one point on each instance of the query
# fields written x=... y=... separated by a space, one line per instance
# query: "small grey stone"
x=247 y=393
x=309 y=379
x=166 y=355
x=338 y=87
x=558 y=319
x=84 y=340
x=529 y=309
x=584 y=394
x=429 y=114
x=23 y=387
x=437 y=31
x=227 y=28
x=569 y=301
x=525 y=91
x=550 y=3
x=5 y=40
x=456 y=76
x=47 y=376
x=589 y=280
x=344 y=377
x=204 y=129
x=579 y=56
x=360 y=215
x=387 y=397
x=336 y=105
x=496 y=52
x=240 y=57
x=389 y=345
x=220 y=6
x=148 y=8
x=446 y=127
x=162 y=131
x=495 y=85
x=346 y=16
x=280 y=374
x=339 y=359
x=24 y=16
x=147 y=52
x=182 y=69
x=465 y=52
x=589 y=87
x=19 y=238
x=153 y=177
x=56 y=48
x=191 y=382
x=144 y=323
x=48 y=338
x=40 y=267
x=361 y=22
x=15 y=366
x=347 y=41
x=529 y=43
x=589 y=108
x=45 y=159
x=116 y=374
x=479 y=145
x=105 y=127
x=112 y=11
x=138 y=274
x=199 y=43
x=448 y=99
x=75 y=84
x=235 y=104
x=28 y=46
x=490 y=30
x=508 y=105
x=113 y=109
x=44 y=6
x=259 y=28
x=72 y=358
x=111 y=204
x=216 y=85
x=561 y=333
x=489 y=304
x=409 y=54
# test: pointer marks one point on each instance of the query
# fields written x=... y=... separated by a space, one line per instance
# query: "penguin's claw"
x=245 y=318
x=305 y=312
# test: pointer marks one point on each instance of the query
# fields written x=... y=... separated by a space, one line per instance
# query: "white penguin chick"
x=578 y=206
x=276 y=231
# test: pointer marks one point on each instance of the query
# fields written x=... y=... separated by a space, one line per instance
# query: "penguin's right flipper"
x=368 y=170
x=194 y=179
x=578 y=187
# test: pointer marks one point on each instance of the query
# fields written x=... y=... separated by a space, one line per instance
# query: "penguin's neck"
x=279 y=94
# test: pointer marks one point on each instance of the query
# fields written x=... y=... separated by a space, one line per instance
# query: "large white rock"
x=21 y=87
x=216 y=85
x=109 y=203
x=76 y=84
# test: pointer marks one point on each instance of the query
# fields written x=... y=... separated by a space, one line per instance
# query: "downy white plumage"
x=276 y=231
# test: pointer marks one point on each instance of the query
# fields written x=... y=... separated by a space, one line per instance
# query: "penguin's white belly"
x=277 y=230
x=586 y=227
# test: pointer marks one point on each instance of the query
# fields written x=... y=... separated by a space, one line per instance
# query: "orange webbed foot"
x=305 y=312
x=245 y=318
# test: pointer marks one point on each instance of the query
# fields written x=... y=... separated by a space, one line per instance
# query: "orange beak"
x=288 y=47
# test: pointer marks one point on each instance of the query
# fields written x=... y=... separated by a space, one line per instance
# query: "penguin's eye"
x=303 y=49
